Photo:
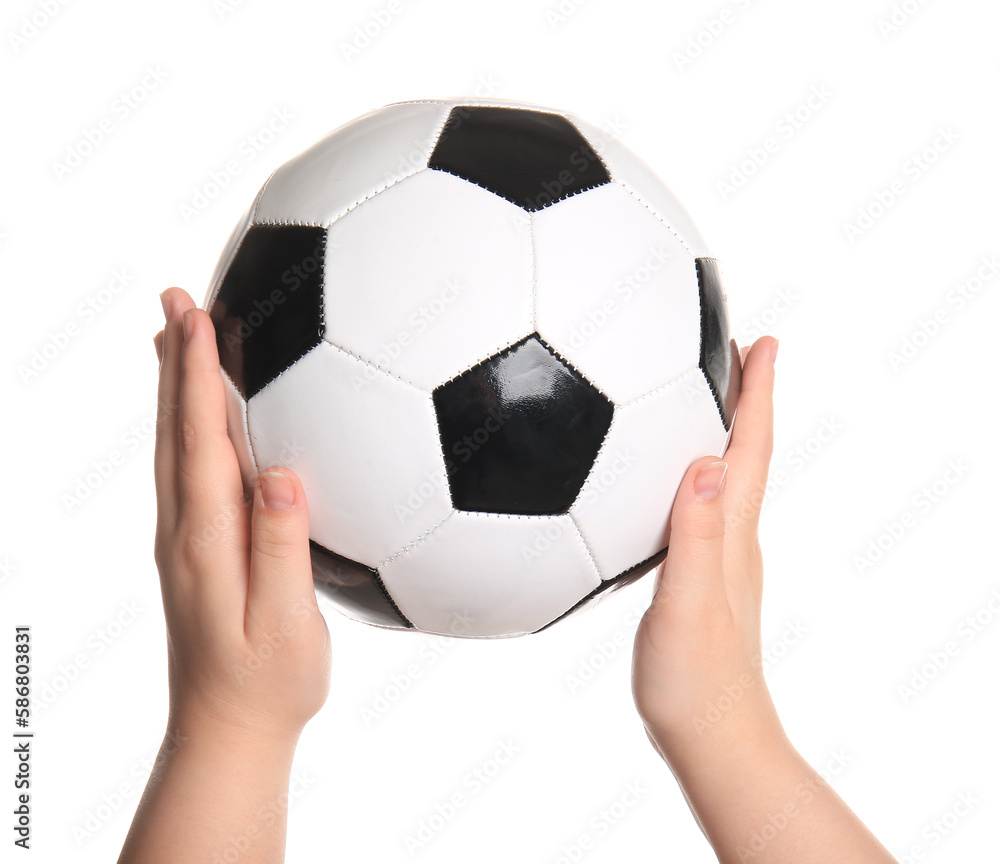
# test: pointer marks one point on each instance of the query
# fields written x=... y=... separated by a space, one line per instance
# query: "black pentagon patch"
x=269 y=310
x=609 y=586
x=520 y=431
x=355 y=587
x=720 y=356
x=531 y=158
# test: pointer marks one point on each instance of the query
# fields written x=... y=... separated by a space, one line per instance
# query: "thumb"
x=281 y=583
x=697 y=525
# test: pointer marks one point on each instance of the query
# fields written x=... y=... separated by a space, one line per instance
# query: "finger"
x=281 y=586
x=158 y=345
x=693 y=567
x=752 y=440
x=209 y=471
x=165 y=453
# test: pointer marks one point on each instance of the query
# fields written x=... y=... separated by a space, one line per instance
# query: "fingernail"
x=188 y=323
x=165 y=302
x=158 y=345
x=708 y=482
x=774 y=351
x=276 y=490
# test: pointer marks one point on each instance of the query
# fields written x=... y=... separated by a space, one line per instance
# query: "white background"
x=916 y=106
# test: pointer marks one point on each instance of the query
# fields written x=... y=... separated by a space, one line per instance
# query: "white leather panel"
x=366 y=450
x=502 y=575
x=627 y=168
x=623 y=507
x=351 y=164
x=616 y=292
x=439 y=272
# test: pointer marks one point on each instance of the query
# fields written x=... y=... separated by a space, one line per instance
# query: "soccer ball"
x=490 y=342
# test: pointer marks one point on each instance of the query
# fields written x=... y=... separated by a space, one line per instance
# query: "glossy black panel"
x=356 y=588
x=609 y=586
x=717 y=358
x=520 y=431
x=268 y=311
x=531 y=158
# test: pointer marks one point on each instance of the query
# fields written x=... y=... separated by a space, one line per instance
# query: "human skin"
x=698 y=648
x=249 y=652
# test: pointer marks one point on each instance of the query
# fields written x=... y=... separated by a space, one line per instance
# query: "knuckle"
x=269 y=545
x=188 y=436
x=163 y=539
x=160 y=556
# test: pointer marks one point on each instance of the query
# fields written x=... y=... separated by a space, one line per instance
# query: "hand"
x=249 y=651
x=697 y=672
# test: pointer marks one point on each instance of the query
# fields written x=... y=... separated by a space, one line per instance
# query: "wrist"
x=723 y=732
x=246 y=741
